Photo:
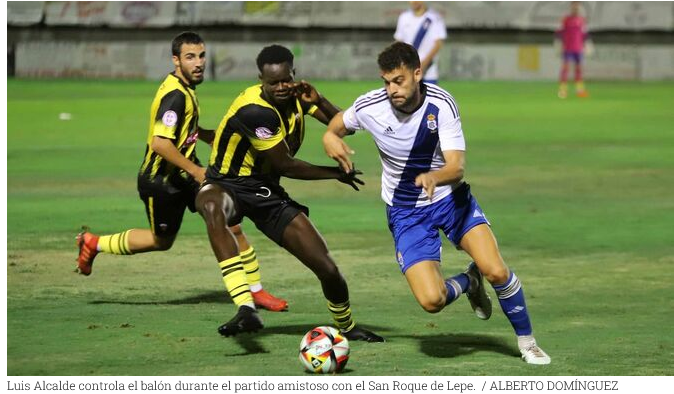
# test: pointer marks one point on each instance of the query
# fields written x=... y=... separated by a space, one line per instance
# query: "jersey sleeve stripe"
x=371 y=103
x=446 y=95
x=446 y=101
x=377 y=94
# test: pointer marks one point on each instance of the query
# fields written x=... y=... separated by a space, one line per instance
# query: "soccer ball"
x=324 y=350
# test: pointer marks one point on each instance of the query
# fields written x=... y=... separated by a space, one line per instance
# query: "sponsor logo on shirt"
x=389 y=131
x=170 y=118
x=263 y=133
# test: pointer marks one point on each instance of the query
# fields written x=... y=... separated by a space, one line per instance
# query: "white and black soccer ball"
x=324 y=350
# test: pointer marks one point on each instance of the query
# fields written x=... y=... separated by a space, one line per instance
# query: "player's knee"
x=211 y=210
x=433 y=304
x=209 y=200
x=329 y=272
x=163 y=243
x=497 y=275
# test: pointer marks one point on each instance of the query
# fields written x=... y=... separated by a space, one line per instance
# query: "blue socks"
x=511 y=297
x=456 y=286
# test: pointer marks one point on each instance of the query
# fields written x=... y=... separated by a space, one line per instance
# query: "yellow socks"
x=252 y=268
x=580 y=87
x=235 y=280
x=563 y=90
x=341 y=314
x=115 y=243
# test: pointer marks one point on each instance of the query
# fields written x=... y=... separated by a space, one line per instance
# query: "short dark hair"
x=186 y=37
x=398 y=54
x=274 y=54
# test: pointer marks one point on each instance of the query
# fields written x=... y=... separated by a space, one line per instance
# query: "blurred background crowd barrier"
x=331 y=40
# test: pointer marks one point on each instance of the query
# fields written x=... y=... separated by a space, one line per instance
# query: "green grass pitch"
x=580 y=194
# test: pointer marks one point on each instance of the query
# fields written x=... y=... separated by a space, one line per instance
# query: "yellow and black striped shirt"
x=250 y=126
x=174 y=115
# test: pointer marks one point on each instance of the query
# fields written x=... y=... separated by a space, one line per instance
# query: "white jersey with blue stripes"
x=409 y=144
x=422 y=32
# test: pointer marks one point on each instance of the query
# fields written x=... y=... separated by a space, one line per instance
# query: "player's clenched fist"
x=428 y=182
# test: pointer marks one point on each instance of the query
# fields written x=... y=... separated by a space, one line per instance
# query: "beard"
x=402 y=106
x=193 y=80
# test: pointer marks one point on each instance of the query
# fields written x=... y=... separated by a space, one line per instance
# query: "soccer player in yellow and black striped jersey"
x=254 y=146
x=170 y=174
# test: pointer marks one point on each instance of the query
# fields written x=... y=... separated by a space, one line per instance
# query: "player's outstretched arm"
x=285 y=165
x=334 y=145
x=206 y=135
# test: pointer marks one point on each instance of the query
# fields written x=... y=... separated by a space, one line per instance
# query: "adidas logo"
x=517 y=309
x=478 y=214
x=389 y=131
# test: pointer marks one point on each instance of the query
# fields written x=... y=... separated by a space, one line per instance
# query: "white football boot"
x=531 y=353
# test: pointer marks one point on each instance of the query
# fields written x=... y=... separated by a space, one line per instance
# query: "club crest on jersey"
x=431 y=123
x=263 y=133
x=401 y=262
x=170 y=118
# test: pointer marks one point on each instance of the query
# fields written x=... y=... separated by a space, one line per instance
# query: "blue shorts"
x=416 y=230
x=575 y=57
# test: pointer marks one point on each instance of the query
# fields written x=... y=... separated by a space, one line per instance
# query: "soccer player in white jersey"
x=417 y=129
x=425 y=30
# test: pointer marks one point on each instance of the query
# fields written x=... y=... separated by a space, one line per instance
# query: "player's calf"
x=477 y=294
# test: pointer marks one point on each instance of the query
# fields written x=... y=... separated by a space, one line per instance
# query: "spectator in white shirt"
x=425 y=30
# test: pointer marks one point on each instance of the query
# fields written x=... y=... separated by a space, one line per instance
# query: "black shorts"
x=263 y=201
x=165 y=203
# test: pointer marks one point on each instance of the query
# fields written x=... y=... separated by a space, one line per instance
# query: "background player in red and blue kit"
x=573 y=36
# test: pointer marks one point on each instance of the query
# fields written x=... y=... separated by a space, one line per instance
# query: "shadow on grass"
x=455 y=345
x=209 y=297
x=249 y=343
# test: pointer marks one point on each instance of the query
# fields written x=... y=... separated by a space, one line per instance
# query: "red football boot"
x=267 y=301
x=87 y=243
